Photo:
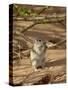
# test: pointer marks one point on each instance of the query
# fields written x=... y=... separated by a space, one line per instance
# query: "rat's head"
x=38 y=43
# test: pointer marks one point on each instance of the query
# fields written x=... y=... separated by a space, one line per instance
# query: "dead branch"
x=37 y=18
x=50 y=45
x=34 y=22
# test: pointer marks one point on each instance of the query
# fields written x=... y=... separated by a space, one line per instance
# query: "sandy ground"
x=55 y=66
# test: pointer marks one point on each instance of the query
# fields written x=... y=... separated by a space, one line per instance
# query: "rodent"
x=37 y=54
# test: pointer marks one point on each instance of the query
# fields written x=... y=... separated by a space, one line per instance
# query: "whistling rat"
x=37 y=54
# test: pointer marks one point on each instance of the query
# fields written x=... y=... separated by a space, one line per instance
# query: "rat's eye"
x=39 y=40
